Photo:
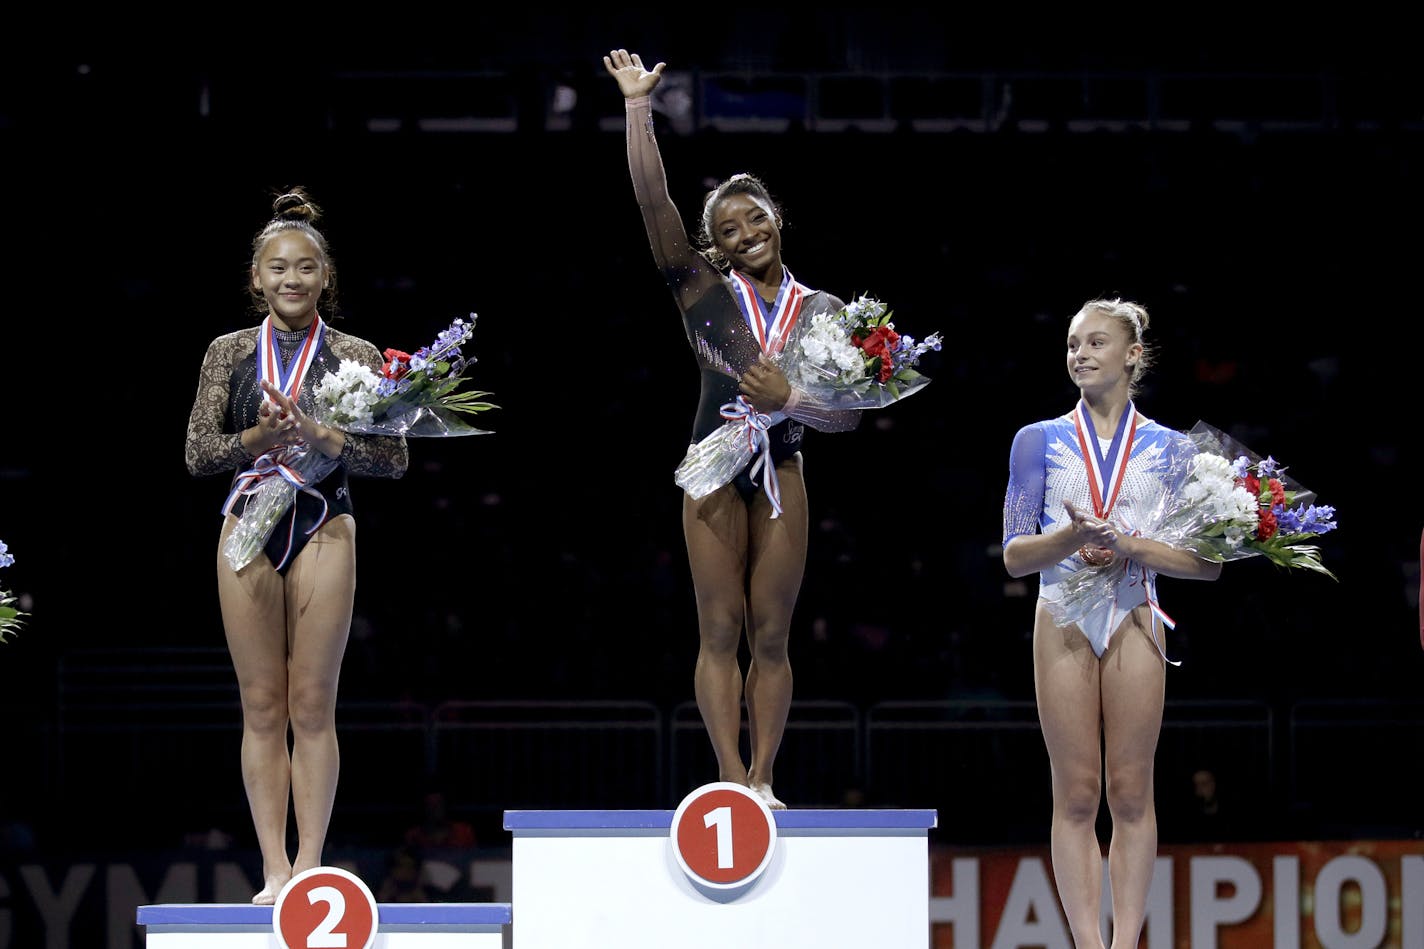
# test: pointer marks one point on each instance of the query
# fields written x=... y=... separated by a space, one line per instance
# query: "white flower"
x=349 y=392
x=828 y=354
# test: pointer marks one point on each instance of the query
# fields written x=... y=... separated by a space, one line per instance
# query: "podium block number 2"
x=723 y=836
x=325 y=908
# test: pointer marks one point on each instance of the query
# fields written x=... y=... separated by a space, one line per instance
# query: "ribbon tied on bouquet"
x=280 y=462
x=1138 y=574
x=756 y=423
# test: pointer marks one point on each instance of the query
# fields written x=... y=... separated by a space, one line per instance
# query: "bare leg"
x=778 y=563
x=715 y=528
x=255 y=624
x=1134 y=687
x=1067 y=685
x=321 y=587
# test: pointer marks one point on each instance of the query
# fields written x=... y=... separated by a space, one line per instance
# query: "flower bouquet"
x=414 y=395
x=11 y=619
x=837 y=363
x=1221 y=501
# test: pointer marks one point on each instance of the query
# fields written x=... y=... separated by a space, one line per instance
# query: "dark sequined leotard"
x=227 y=403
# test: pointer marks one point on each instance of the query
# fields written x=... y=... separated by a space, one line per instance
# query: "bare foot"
x=765 y=791
x=268 y=896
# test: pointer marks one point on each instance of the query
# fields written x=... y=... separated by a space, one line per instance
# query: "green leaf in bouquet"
x=468 y=402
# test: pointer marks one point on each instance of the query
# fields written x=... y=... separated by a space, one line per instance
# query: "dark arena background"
x=525 y=629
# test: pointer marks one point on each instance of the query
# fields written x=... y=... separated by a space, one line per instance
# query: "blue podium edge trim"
x=810 y=819
x=391 y=914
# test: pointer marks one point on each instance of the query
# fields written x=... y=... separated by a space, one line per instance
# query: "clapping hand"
x=275 y=426
x=1100 y=539
x=295 y=424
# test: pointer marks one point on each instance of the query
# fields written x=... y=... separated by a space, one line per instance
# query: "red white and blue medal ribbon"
x=287 y=378
x=1105 y=472
x=756 y=424
x=770 y=331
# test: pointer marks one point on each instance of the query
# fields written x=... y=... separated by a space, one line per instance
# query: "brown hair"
x=741 y=183
x=292 y=210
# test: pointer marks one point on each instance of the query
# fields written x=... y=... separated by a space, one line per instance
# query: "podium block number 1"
x=723 y=836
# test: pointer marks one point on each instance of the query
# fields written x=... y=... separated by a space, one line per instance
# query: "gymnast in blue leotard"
x=1078 y=484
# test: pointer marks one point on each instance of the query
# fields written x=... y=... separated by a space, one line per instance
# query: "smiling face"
x=1101 y=352
x=290 y=272
x=746 y=232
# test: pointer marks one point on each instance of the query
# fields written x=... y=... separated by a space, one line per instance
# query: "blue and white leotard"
x=1046 y=467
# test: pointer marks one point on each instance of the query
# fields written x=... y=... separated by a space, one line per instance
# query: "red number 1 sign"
x=723 y=835
x=325 y=908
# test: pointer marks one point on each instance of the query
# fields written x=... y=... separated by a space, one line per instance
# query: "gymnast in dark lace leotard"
x=746 y=564
x=287 y=615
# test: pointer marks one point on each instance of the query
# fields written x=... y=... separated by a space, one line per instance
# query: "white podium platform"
x=833 y=878
x=399 y=926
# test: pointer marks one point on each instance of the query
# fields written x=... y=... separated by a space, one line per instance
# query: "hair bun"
x=294 y=206
x=1142 y=317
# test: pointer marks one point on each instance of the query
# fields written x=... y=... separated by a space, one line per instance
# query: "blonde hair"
x=1134 y=320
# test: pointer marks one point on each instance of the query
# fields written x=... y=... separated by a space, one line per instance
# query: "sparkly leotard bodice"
x=1046 y=467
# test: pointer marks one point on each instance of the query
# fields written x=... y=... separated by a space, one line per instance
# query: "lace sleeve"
x=208 y=448
x=1023 y=501
x=686 y=271
x=374 y=456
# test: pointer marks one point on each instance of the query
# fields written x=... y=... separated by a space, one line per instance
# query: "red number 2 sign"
x=325 y=908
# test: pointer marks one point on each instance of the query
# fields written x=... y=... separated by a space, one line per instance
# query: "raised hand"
x=633 y=80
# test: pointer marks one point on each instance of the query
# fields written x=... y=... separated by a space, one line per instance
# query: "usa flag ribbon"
x=756 y=425
x=770 y=331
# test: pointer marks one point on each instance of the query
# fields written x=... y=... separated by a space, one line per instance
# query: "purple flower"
x=1288 y=519
x=1318 y=519
x=1268 y=468
x=6 y=558
x=1240 y=466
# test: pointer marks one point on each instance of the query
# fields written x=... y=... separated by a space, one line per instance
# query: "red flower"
x=1278 y=492
x=1266 y=526
x=1253 y=484
x=397 y=364
x=879 y=344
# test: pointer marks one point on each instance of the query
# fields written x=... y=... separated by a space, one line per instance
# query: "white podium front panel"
x=602 y=879
x=399 y=926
